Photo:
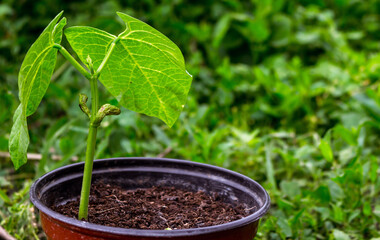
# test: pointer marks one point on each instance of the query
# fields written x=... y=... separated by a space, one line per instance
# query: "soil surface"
x=154 y=208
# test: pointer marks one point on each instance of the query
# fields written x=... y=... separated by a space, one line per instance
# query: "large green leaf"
x=33 y=81
x=145 y=72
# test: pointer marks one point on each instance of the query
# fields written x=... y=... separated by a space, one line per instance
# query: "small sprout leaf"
x=89 y=64
x=82 y=104
x=105 y=110
x=33 y=81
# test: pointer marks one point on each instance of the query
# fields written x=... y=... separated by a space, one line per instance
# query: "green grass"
x=285 y=92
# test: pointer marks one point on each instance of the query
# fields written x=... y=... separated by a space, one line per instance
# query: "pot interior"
x=64 y=184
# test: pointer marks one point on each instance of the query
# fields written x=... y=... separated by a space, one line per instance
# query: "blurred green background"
x=285 y=92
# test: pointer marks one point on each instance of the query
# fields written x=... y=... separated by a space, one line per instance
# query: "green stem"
x=94 y=124
x=72 y=60
x=87 y=174
x=90 y=151
x=94 y=98
x=105 y=59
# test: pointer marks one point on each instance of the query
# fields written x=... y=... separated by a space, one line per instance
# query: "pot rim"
x=149 y=233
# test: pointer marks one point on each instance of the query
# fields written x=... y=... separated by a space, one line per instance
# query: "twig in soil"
x=249 y=209
x=4 y=235
x=36 y=156
x=19 y=176
x=116 y=199
x=165 y=152
x=166 y=221
x=107 y=210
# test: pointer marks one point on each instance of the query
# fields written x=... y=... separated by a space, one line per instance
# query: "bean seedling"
x=140 y=67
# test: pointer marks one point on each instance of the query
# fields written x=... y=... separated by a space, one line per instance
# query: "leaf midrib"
x=29 y=88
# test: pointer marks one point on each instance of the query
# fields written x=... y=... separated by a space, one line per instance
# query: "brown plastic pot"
x=64 y=184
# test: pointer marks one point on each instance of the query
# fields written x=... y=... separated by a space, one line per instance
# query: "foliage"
x=19 y=215
x=146 y=71
x=143 y=70
x=285 y=92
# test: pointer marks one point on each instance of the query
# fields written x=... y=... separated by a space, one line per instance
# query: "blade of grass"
x=5 y=197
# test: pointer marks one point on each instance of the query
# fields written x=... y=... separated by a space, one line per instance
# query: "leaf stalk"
x=108 y=54
x=72 y=60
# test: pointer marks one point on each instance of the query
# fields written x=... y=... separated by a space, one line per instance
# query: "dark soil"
x=154 y=208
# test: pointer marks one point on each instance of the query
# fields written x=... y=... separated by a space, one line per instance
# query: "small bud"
x=89 y=60
x=82 y=104
x=90 y=65
x=111 y=109
x=105 y=110
x=82 y=98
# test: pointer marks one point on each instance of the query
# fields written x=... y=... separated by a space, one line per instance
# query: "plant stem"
x=94 y=98
x=72 y=60
x=94 y=124
x=91 y=141
x=87 y=174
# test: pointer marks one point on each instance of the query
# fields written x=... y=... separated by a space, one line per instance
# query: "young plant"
x=140 y=67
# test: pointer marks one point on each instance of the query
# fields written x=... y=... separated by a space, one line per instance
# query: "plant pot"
x=64 y=184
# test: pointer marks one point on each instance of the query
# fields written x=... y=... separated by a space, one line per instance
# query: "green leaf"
x=324 y=211
x=354 y=214
x=38 y=66
x=33 y=81
x=258 y=30
x=19 y=138
x=338 y=214
x=220 y=30
x=290 y=188
x=345 y=134
x=284 y=227
x=367 y=208
x=339 y=235
x=5 y=197
x=336 y=192
x=326 y=151
x=145 y=72
x=377 y=210
x=373 y=170
x=322 y=194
